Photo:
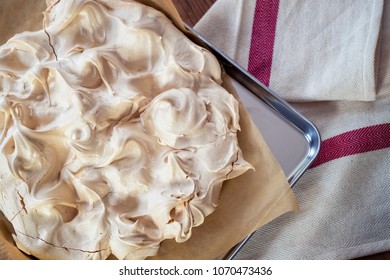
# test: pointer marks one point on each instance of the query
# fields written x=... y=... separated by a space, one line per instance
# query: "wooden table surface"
x=191 y=11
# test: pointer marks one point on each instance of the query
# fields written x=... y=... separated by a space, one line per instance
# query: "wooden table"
x=191 y=11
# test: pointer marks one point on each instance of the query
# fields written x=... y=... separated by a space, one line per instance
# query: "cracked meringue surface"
x=116 y=133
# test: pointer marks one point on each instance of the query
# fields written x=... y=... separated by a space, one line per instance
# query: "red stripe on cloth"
x=354 y=142
x=263 y=38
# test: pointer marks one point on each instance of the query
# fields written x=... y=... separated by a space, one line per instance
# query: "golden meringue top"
x=116 y=133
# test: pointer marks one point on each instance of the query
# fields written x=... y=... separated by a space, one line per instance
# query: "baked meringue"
x=116 y=133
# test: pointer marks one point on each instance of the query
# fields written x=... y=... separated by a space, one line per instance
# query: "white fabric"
x=324 y=50
x=341 y=217
x=345 y=203
x=228 y=25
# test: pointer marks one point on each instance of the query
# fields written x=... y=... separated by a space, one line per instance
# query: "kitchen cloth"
x=304 y=50
x=325 y=57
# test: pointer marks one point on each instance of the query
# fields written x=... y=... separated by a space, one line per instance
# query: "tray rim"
x=281 y=107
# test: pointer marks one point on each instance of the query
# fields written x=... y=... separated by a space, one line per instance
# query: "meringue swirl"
x=116 y=133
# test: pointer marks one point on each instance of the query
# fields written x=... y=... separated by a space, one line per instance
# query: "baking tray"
x=292 y=138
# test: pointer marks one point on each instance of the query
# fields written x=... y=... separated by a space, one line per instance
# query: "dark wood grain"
x=192 y=10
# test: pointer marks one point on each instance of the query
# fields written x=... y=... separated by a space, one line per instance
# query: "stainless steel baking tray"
x=293 y=139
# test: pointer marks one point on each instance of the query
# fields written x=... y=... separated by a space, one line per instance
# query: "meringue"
x=116 y=133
